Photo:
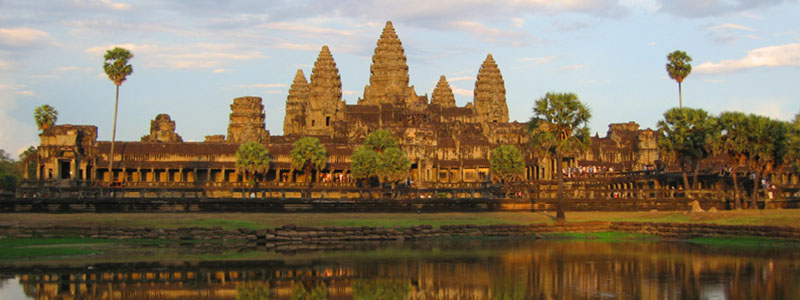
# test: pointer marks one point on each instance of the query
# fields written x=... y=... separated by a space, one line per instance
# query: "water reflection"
x=442 y=270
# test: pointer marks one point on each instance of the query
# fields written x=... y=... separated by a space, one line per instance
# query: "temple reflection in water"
x=523 y=270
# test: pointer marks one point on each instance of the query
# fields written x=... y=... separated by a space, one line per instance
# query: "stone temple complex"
x=445 y=143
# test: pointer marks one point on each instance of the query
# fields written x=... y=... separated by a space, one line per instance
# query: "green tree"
x=687 y=136
x=380 y=140
x=507 y=163
x=768 y=144
x=380 y=157
x=558 y=129
x=252 y=159
x=45 y=117
x=732 y=143
x=678 y=68
x=794 y=143
x=393 y=165
x=307 y=155
x=364 y=162
x=117 y=68
x=28 y=161
x=9 y=172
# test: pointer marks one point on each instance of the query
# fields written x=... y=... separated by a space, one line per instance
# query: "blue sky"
x=191 y=58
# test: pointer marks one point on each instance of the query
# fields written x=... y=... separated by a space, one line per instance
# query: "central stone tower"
x=490 y=94
x=388 y=81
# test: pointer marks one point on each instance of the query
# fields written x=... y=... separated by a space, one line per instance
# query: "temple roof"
x=443 y=94
x=490 y=92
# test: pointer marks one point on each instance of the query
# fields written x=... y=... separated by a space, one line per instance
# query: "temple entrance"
x=63 y=169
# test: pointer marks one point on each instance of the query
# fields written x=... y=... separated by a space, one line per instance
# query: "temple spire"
x=296 y=103
x=388 y=81
x=490 y=93
x=443 y=94
x=326 y=94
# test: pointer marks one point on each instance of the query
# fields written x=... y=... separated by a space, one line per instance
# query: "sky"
x=193 y=57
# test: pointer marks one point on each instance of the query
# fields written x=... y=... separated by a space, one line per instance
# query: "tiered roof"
x=443 y=94
x=490 y=93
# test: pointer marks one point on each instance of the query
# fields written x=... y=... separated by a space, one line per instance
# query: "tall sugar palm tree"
x=117 y=68
x=45 y=117
x=678 y=68
x=559 y=129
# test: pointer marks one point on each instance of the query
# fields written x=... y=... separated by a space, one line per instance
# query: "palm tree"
x=687 y=136
x=252 y=159
x=678 y=68
x=732 y=143
x=558 y=129
x=117 y=68
x=45 y=117
x=307 y=154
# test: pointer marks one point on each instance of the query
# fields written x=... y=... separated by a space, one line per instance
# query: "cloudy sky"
x=193 y=57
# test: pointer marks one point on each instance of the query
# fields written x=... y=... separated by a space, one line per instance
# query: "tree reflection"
x=308 y=290
x=380 y=289
x=252 y=290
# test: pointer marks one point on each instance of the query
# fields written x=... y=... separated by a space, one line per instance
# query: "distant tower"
x=388 y=81
x=325 y=104
x=443 y=94
x=247 y=121
x=490 y=94
x=294 y=121
x=162 y=129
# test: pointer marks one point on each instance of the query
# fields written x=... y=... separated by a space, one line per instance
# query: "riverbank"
x=257 y=221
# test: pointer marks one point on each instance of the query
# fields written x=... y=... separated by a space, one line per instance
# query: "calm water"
x=516 y=269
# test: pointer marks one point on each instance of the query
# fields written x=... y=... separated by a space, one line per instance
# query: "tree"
x=10 y=173
x=380 y=140
x=380 y=157
x=767 y=146
x=117 y=68
x=45 y=117
x=686 y=136
x=678 y=68
x=308 y=154
x=732 y=143
x=794 y=143
x=507 y=163
x=252 y=159
x=558 y=129
x=28 y=161
x=364 y=162
x=393 y=166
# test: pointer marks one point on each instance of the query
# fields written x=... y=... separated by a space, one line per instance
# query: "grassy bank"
x=787 y=217
x=36 y=248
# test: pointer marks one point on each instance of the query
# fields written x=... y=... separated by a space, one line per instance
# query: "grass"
x=744 y=242
x=36 y=248
x=606 y=236
x=229 y=221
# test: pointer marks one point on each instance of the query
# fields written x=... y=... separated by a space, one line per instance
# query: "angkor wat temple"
x=445 y=143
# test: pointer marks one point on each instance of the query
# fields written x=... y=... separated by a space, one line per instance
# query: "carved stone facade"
x=247 y=121
x=162 y=129
x=445 y=143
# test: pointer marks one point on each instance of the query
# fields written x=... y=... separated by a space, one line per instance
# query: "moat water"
x=466 y=269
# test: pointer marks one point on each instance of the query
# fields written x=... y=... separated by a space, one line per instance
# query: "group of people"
x=586 y=171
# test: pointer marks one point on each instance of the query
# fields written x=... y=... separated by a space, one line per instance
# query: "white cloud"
x=730 y=26
x=518 y=22
x=306 y=30
x=461 y=92
x=532 y=61
x=772 y=56
x=262 y=85
x=4 y=64
x=189 y=56
x=23 y=37
x=219 y=71
x=491 y=35
x=15 y=136
x=571 y=67
x=349 y=92
x=460 y=78
x=116 y=5
x=26 y=93
x=649 y=6
x=298 y=47
x=707 y=8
